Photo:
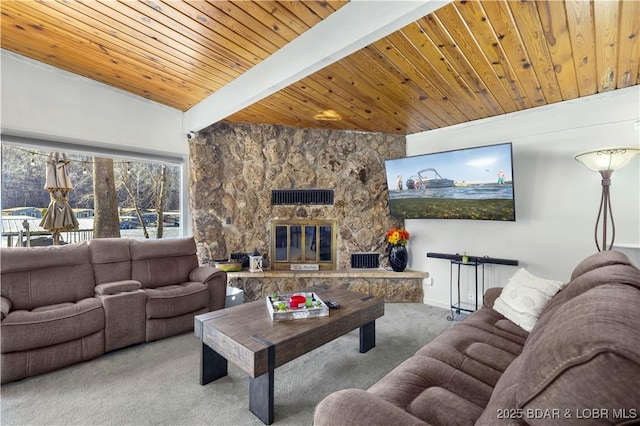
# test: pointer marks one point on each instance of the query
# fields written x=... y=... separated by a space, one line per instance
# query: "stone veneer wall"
x=234 y=167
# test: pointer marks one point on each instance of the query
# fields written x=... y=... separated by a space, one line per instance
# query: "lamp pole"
x=605 y=211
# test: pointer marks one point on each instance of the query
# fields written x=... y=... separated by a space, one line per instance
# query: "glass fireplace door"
x=311 y=242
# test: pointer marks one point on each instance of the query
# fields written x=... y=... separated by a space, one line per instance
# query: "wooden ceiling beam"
x=350 y=28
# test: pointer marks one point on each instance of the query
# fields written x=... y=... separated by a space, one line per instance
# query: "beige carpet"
x=157 y=383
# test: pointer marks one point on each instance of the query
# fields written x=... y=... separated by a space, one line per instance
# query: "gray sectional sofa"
x=66 y=304
x=580 y=363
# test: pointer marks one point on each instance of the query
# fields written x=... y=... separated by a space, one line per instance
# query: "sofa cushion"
x=349 y=407
x=40 y=276
x=599 y=260
x=436 y=404
x=589 y=345
x=159 y=328
x=5 y=306
x=18 y=365
x=157 y=263
x=424 y=386
x=51 y=325
x=503 y=408
x=456 y=371
x=166 y=247
x=600 y=269
x=483 y=361
x=111 y=258
x=586 y=358
x=524 y=298
x=494 y=323
x=110 y=250
x=20 y=259
x=158 y=272
x=606 y=267
x=174 y=300
x=478 y=346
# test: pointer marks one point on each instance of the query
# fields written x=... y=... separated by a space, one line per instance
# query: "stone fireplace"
x=234 y=167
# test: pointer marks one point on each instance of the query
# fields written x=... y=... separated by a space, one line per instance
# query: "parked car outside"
x=127 y=224
x=170 y=222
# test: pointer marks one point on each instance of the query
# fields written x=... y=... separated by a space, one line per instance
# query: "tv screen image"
x=471 y=183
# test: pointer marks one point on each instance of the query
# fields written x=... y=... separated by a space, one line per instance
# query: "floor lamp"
x=606 y=161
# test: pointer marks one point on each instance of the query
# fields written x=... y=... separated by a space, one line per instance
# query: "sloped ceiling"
x=466 y=61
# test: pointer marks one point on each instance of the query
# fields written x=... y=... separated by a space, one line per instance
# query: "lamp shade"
x=607 y=158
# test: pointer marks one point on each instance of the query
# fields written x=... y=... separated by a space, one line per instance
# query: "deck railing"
x=21 y=231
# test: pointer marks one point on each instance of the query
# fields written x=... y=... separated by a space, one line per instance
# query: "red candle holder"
x=297 y=301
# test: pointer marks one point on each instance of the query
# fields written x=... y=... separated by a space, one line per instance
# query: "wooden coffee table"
x=246 y=336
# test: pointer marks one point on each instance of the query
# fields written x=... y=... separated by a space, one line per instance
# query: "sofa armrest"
x=215 y=280
x=116 y=287
x=490 y=296
x=202 y=274
x=6 y=307
x=359 y=407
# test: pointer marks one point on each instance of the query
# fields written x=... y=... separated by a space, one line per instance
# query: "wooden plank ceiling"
x=466 y=61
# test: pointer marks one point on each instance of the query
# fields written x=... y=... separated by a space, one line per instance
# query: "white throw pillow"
x=524 y=297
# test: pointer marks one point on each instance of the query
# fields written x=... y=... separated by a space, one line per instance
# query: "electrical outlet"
x=472 y=296
x=428 y=281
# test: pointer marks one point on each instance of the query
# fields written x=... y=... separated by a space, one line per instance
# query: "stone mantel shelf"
x=340 y=273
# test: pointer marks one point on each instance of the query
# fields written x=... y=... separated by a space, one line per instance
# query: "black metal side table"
x=460 y=306
x=472 y=261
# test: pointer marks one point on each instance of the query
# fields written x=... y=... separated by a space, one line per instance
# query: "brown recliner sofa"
x=66 y=304
x=579 y=364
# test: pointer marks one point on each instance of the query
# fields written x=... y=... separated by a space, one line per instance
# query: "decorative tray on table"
x=299 y=305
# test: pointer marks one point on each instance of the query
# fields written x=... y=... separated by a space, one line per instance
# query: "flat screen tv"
x=471 y=183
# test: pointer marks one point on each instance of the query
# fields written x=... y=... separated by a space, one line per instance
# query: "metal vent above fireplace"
x=302 y=196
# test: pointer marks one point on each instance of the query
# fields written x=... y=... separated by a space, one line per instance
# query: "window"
x=303 y=243
x=144 y=184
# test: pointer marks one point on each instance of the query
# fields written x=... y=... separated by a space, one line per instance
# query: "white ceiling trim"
x=352 y=27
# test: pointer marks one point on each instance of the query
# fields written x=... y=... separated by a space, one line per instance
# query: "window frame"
x=116 y=153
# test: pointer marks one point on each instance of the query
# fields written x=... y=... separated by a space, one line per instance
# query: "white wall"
x=45 y=102
x=557 y=198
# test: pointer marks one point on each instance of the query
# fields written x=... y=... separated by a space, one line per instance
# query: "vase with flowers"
x=398 y=256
